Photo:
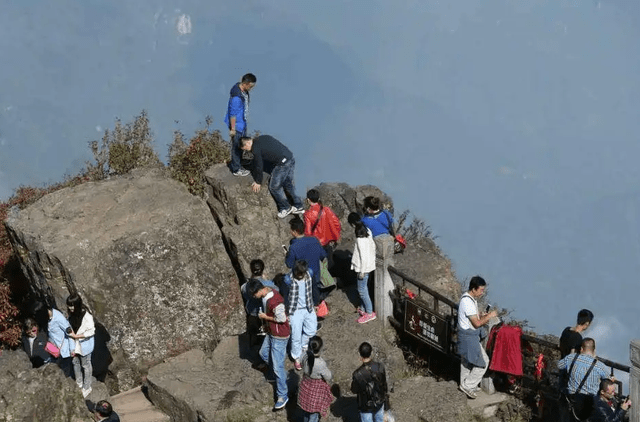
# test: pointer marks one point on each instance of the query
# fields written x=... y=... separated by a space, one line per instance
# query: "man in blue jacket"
x=270 y=155
x=304 y=247
x=236 y=119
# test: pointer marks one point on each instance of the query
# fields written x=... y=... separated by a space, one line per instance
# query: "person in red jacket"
x=322 y=222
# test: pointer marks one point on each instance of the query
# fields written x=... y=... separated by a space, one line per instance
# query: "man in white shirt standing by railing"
x=474 y=360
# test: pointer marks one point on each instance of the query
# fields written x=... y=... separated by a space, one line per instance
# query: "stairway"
x=133 y=406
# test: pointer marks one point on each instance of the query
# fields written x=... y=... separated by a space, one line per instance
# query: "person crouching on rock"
x=314 y=395
x=274 y=347
x=266 y=151
x=363 y=261
x=84 y=330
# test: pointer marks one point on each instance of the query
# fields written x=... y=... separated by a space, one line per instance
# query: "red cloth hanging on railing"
x=507 y=351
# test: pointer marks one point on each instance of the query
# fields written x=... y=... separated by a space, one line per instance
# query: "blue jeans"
x=281 y=182
x=236 y=152
x=274 y=352
x=310 y=417
x=304 y=325
x=377 y=416
x=363 y=291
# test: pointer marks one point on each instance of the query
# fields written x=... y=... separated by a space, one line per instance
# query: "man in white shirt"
x=474 y=360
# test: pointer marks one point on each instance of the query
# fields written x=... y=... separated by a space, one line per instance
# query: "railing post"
x=383 y=282
x=634 y=381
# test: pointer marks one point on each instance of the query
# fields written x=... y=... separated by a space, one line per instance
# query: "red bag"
x=52 y=349
x=323 y=310
x=399 y=244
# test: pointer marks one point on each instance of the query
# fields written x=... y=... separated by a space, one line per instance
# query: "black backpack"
x=371 y=380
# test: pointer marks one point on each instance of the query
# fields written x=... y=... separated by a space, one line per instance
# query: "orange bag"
x=323 y=310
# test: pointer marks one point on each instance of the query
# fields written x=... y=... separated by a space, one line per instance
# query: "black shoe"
x=261 y=366
x=319 y=326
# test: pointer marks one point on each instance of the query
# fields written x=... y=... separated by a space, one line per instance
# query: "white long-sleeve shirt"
x=364 y=254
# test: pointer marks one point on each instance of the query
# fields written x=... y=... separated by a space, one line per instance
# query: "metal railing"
x=438 y=298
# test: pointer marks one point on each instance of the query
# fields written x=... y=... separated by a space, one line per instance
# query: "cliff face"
x=160 y=268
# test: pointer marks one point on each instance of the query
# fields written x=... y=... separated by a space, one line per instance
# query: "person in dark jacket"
x=236 y=119
x=268 y=154
x=33 y=342
x=103 y=412
x=369 y=383
x=605 y=405
x=309 y=249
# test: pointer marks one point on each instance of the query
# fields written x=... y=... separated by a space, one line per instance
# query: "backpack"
x=373 y=396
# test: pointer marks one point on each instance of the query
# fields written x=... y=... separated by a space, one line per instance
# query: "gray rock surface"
x=216 y=386
x=160 y=270
x=147 y=257
x=424 y=399
x=34 y=395
x=248 y=220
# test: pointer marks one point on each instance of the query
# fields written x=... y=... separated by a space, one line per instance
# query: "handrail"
x=527 y=337
x=421 y=286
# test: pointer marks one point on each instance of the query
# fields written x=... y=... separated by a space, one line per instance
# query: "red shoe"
x=366 y=318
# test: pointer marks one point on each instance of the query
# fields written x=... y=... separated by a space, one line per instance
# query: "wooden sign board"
x=425 y=325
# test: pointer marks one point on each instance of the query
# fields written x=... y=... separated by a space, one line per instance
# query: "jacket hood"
x=236 y=91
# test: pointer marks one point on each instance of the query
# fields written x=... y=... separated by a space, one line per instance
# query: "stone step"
x=133 y=406
x=486 y=404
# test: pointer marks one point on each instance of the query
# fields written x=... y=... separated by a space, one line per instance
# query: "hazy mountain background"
x=510 y=126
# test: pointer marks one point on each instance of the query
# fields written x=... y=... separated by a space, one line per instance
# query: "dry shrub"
x=126 y=147
x=188 y=162
x=416 y=230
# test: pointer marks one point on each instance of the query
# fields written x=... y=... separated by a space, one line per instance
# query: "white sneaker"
x=295 y=210
x=284 y=213
x=242 y=172
x=86 y=392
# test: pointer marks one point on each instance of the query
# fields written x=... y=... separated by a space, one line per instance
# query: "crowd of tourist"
x=287 y=313
x=289 y=309
x=67 y=342
x=588 y=392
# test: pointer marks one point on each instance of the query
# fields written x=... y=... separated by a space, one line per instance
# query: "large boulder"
x=148 y=258
x=34 y=395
